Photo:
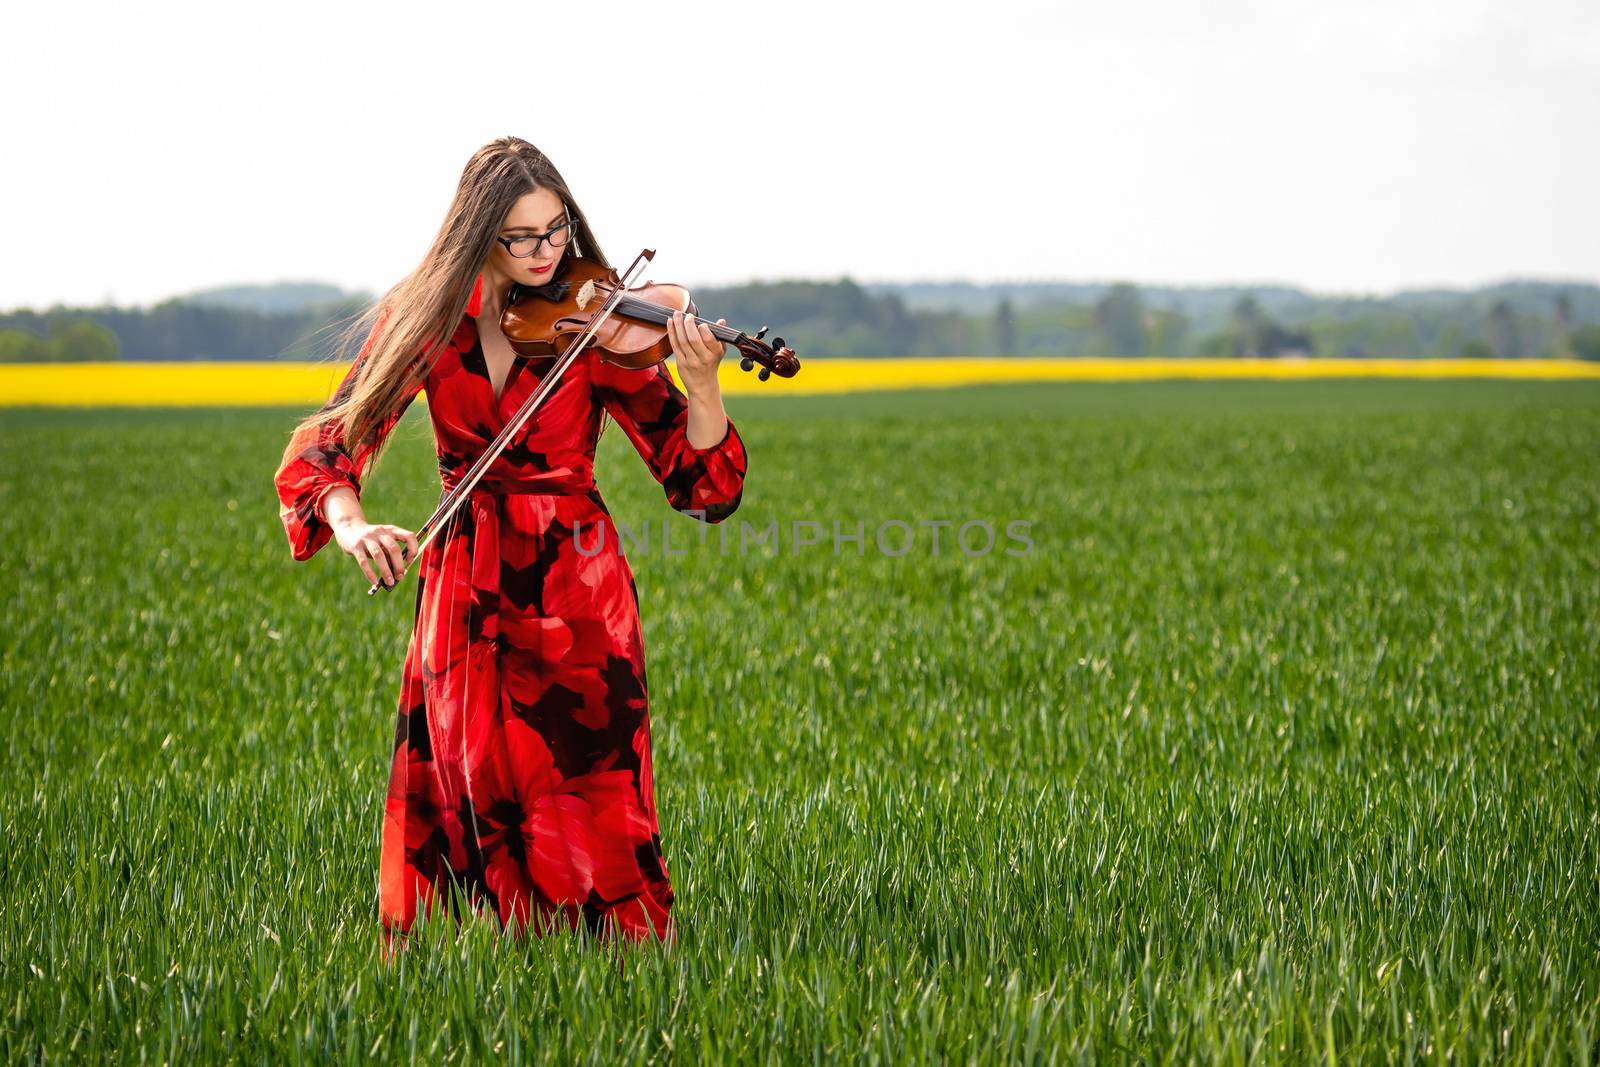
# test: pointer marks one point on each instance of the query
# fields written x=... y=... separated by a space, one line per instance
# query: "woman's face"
x=535 y=213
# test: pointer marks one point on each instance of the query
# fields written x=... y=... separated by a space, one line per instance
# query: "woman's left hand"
x=697 y=350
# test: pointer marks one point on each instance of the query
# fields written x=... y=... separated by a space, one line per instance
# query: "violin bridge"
x=586 y=294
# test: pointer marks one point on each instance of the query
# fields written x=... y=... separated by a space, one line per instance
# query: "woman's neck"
x=495 y=292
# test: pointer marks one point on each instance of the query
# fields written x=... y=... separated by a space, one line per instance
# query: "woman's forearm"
x=708 y=420
x=341 y=505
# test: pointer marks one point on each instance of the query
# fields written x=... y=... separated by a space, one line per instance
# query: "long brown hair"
x=412 y=323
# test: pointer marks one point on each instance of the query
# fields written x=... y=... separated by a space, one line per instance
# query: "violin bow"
x=480 y=466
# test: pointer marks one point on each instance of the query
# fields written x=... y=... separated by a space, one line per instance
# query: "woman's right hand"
x=381 y=549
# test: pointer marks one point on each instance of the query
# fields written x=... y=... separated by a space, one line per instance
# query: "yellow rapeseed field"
x=300 y=384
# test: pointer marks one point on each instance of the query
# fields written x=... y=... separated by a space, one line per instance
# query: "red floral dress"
x=521 y=771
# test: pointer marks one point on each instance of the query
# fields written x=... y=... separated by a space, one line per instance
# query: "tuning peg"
x=761 y=333
x=745 y=363
x=777 y=344
x=766 y=372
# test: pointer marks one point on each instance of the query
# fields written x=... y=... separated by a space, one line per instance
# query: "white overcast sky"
x=1357 y=146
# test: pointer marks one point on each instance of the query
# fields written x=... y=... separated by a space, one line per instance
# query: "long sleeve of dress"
x=654 y=412
x=320 y=465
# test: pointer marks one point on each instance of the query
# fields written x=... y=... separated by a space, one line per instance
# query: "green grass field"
x=1280 y=744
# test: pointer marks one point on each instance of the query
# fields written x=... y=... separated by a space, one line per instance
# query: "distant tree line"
x=1513 y=320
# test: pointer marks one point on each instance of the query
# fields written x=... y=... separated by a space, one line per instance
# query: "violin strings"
x=660 y=313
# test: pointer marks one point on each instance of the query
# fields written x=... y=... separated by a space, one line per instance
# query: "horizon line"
x=885 y=282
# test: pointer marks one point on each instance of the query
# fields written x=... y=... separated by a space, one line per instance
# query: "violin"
x=590 y=306
x=542 y=320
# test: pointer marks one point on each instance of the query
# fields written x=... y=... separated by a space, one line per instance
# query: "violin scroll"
x=778 y=357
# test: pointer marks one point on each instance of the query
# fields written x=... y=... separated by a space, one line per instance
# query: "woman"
x=521 y=774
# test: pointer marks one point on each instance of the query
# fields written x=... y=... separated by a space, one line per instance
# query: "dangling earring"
x=475 y=301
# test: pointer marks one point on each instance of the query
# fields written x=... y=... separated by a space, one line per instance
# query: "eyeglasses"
x=528 y=245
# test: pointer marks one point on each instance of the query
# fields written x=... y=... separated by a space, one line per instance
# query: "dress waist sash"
x=501 y=486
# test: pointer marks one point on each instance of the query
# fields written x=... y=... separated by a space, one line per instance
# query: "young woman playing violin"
x=521 y=776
